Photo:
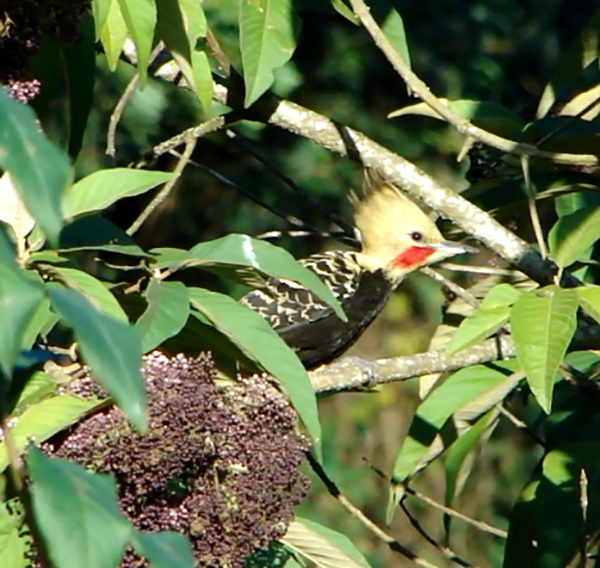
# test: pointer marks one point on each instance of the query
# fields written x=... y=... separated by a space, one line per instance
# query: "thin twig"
x=446 y=551
x=292 y=220
x=532 y=207
x=464 y=126
x=263 y=159
x=392 y=543
x=482 y=270
x=115 y=117
x=193 y=133
x=481 y=525
x=521 y=425
x=164 y=192
x=218 y=53
x=452 y=286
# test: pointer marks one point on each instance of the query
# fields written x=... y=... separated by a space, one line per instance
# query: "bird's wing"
x=284 y=303
x=310 y=326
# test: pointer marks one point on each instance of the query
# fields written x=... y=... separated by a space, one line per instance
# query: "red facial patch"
x=412 y=256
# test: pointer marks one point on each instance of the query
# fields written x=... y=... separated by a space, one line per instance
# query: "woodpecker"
x=396 y=238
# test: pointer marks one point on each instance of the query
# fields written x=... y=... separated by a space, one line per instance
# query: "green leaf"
x=265 y=258
x=77 y=513
x=164 y=549
x=543 y=323
x=203 y=79
x=19 y=301
x=573 y=234
x=559 y=519
x=520 y=544
x=589 y=300
x=324 y=547
x=487 y=115
x=102 y=188
x=175 y=30
x=96 y=233
x=257 y=340
x=458 y=452
x=194 y=20
x=580 y=56
x=140 y=18
x=459 y=390
x=268 y=33
x=38 y=169
x=111 y=348
x=44 y=419
x=392 y=26
x=12 y=546
x=113 y=35
x=480 y=324
x=100 y=10
x=94 y=290
x=167 y=312
x=491 y=315
x=461 y=399
x=36 y=323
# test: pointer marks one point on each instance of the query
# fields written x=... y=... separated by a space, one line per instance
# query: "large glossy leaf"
x=487 y=115
x=164 y=549
x=111 y=348
x=102 y=188
x=443 y=416
x=245 y=252
x=38 y=169
x=573 y=234
x=543 y=323
x=94 y=290
x=19 y=300
x=268 y=33
x=44 y=419
x=167 y=312
x=257 y=340
x=113 y=35
x=324 y=547
x=140 y=18
x=77 y=513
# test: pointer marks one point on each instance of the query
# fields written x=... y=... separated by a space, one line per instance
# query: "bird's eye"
x=417 y=236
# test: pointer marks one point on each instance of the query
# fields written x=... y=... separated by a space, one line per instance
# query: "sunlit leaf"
x=44 y=419
x=324 y=547
x=268 y=32
x=543 y=323
x=573 y=234
x=111 y=348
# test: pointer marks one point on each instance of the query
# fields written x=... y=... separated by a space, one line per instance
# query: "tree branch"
x=461 y=124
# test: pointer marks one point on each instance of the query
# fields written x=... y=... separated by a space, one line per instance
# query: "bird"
x=396 y=238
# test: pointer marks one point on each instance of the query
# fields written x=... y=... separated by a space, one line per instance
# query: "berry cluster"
x=218 y=463
x=22 y=26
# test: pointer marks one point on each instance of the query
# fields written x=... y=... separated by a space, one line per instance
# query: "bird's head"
x=396 y=235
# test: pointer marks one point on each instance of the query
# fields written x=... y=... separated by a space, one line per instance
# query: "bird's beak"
x=450 y=248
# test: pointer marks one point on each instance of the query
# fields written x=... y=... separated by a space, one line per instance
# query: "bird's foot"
x=368 y=370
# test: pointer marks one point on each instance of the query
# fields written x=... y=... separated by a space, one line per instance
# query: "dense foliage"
x=113 y=455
